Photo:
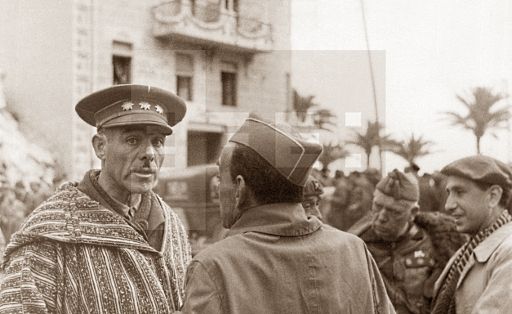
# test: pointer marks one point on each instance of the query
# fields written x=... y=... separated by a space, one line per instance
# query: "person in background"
x=12 y=211
x=312 y=196
x=276 y=259
x=477 y=279
x=402 y=249
x=107 y=244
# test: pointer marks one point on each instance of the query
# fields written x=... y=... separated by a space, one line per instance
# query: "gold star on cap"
x=159 y=109
x=127 y=106
x=145 y=106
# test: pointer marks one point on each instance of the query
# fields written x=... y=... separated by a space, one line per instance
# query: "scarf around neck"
x=444 y=303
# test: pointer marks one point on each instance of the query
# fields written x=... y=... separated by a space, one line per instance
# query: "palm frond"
x=480 y=117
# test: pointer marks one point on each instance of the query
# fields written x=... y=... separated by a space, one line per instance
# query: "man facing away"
x=107 y=244
x=478 y=278
x=402 y=249
x=275 y=259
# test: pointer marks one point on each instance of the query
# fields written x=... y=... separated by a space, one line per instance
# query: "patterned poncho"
x=73 y=255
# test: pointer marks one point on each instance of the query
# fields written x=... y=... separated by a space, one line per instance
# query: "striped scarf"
x=445 y=301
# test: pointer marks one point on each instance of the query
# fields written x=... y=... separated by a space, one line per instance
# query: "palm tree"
x=412 y=148
x=480 y=116
x=324 y=119
x=302 y=104
x=331 y=153
x=372 y=138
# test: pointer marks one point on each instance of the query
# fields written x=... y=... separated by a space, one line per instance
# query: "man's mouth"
x=144 y=173
x=457 y=216
x=381 y=229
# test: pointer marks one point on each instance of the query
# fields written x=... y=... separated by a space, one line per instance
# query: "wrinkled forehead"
x=386 y=201
x=140 y=128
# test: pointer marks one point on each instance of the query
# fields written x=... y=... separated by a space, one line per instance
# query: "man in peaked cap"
x=107 y=244
x=402 y=249
x=275 y=258
x=477 y=279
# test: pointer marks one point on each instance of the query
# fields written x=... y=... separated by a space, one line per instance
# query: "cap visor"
x=139 y=119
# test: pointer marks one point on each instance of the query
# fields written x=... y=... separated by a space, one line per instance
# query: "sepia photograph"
x=255 y=156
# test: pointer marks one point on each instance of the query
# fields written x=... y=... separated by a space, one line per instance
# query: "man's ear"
x=241 y=193
x=495 y=193
x=414 y=212
x=99 y=142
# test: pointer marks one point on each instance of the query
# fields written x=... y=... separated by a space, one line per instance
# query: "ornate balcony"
x=210 y=24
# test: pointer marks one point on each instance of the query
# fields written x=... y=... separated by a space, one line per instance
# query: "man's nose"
x=450 y=204
x=382 y=217
x=149 y=152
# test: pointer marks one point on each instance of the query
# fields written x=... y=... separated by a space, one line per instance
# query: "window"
x=229 y=84
x=184 y=87
x=121 y=63
x=122 y=70
x=184 y=75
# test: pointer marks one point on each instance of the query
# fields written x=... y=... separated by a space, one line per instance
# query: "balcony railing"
x=211 y=23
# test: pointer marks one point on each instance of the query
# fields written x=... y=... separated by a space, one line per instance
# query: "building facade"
x=225 y=57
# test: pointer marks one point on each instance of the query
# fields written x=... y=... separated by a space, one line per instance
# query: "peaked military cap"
x=282 y=147
x=482 y=169
x=132 y=104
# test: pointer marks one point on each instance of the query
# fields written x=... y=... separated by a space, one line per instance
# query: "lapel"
x=466 y=269
x=485 y=249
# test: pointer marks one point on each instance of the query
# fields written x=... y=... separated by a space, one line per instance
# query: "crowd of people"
x=17 y=201
x=397 y=243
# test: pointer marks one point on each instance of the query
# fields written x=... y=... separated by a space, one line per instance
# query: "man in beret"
x=402 y=249
x=275 y=258
x=107 y=244
x=478 y=278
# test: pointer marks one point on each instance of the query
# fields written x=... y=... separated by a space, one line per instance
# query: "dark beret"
x=132 y=104
x=481 y=169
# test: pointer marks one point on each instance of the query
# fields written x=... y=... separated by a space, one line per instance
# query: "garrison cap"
x=282 y=147
x=481 y=169
x=132 y=104
x=400 y=186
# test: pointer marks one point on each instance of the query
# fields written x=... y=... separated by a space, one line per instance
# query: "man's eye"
x=158 y=142
x=458 y=192
x=393 y=213
x=131 y=140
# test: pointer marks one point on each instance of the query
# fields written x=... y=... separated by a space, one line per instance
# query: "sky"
x=426 y=53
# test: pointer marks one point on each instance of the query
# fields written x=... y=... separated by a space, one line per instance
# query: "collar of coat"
x=70 y=216
x=482 y=253
x=485 y=249
x=281 y=219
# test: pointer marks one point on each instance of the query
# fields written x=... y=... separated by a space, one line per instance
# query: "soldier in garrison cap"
x=478 y=277
x=402 y=249
x=107 y=244
x=275 y=258
x=312 y=196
